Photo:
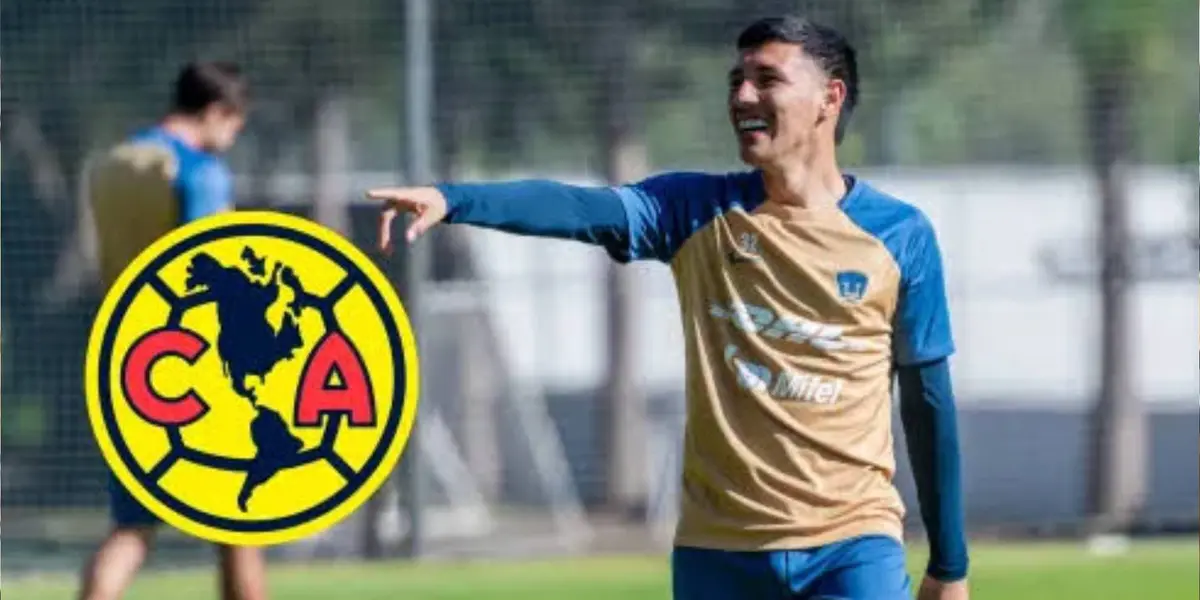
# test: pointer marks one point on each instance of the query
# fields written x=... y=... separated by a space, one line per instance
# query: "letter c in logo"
x=135 y=376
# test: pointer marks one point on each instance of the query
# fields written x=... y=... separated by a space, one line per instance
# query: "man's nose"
x=744 y=94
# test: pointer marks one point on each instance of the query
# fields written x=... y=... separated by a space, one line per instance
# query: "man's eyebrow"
x=770 y=70
x=761 y=69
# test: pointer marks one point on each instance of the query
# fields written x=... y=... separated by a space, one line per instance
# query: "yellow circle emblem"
x=252 y=378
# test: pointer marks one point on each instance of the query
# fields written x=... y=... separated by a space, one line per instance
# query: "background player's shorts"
x=126 y=510
x=862 y=568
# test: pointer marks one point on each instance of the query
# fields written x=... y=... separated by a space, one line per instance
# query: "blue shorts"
x=126 y=510
x=862 y=568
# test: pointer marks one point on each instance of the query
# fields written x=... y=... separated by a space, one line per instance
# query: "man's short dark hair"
x=203 y=84
x=828 y=47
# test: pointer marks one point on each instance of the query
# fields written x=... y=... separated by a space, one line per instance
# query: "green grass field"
x=1150 y=571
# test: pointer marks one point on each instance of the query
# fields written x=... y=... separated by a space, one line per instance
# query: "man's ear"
x=835 y=96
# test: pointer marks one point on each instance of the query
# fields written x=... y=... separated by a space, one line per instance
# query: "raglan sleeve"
x=922 y=329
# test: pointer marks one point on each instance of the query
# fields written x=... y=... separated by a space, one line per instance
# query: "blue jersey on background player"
x=158 y=179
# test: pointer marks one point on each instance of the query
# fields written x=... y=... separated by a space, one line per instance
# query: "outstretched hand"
x=427 y=204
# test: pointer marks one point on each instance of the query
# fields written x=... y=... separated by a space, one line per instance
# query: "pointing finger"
x=385 y=230
x=394 y=198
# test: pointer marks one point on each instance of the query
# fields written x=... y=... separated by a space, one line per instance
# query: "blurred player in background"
x=153 y=182
x=803 y=291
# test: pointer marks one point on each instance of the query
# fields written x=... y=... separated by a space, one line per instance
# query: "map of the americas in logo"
x=249 y=345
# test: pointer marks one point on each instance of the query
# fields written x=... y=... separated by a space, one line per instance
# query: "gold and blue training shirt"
x=795 y=322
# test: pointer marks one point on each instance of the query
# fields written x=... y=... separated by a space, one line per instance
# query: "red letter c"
x=135 y=377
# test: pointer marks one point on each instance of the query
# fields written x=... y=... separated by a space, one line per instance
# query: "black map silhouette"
x=249 y=345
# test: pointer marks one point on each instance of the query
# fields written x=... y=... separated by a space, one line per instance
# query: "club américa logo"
x=252 y=378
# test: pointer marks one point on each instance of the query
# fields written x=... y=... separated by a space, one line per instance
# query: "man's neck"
x=183 y=128
x=805 y=185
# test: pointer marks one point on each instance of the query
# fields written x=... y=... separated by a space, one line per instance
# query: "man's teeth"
x=752 y=124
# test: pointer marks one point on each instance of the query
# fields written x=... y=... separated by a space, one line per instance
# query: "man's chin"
x=752 y=156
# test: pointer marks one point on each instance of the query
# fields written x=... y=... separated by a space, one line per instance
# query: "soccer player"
x=804 y=292
x=159 y=179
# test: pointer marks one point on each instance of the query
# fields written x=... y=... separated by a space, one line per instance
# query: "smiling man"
x=805 y=293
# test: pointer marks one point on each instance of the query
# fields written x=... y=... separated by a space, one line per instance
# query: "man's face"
x=221 y=125
x=779 y=103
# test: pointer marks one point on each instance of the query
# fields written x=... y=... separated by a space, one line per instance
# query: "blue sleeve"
x=539 y=208
x=204 y=190
x=927 y=410
x=922 y=323
x=644 y=220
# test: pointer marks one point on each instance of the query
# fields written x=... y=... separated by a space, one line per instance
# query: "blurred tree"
x=618 y=119
x=1113 y=44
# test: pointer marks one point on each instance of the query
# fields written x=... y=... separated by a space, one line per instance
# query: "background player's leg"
x=243 y=573
x=866 y=567
x=115 y=563
x=702 y=574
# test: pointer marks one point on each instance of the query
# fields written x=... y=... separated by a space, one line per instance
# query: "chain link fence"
x=552 y=408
